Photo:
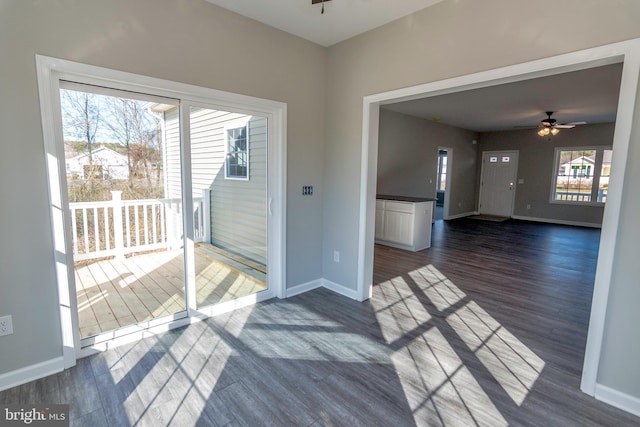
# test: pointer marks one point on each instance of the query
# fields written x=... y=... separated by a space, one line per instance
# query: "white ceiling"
x=588 y=95
x=342 y=19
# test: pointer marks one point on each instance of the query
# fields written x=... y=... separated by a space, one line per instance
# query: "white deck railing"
x=119 y=227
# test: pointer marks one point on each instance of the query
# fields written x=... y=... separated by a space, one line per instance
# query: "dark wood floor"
x=487 y=328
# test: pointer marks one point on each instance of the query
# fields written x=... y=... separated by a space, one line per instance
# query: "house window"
x=581 y=175
x=442 y=170
x=237 y=161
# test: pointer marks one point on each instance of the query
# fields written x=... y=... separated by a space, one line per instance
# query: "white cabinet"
x=404 y=225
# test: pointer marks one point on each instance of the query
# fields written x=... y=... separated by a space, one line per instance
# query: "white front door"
x=497 y=185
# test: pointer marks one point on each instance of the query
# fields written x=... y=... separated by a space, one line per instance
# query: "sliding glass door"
x=164 y=205
x=139 y=246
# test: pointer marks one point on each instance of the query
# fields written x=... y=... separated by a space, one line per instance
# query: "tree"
x=81 y=117
x=136 y=129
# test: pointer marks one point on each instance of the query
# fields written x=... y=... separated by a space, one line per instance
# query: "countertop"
x=405 y=198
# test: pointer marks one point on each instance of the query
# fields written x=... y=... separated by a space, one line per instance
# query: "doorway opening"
x=623 y=52
x=442 y=184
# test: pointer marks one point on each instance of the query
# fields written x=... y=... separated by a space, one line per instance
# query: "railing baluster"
x=85 y=229
x=163 y=223
x=74 y=230
x=96 y=229
x=154 y=223
x=145 y=212
x=107 y=229
x=126 y=224
x=137 y=224
x=118 y=235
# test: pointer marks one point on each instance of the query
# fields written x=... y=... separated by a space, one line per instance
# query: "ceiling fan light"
x=555 y=131
x=543 y=132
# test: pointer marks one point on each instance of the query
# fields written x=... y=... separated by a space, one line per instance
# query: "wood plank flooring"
x=485 y=328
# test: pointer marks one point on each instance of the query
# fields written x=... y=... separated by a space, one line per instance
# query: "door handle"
x=270 y=205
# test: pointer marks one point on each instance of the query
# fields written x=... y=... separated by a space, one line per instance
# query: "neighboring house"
x=229 y=171
x=104 y=163
x=582 y=167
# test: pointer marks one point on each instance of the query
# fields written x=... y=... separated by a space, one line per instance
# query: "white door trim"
x=49 y=73
x=627 y=52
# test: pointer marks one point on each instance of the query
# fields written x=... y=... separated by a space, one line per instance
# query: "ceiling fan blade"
x=576 y=123
x=564 y=126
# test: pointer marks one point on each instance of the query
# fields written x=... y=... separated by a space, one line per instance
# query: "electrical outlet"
x=6 y=326
x=336 y=256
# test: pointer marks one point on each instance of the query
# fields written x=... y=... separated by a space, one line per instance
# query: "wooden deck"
x=113 y=294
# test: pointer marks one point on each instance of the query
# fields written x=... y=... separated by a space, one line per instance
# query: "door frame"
x=515 y=178
x=626 y=52
x=49 y=73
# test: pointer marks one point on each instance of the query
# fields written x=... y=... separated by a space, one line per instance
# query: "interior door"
x=497 y=185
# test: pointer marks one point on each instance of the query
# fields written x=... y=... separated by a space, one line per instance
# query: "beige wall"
x=188 y=41
x=408 y=159
x=455 y=38
x=535 y=167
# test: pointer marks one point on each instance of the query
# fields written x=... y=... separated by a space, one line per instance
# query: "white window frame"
x=228 y=150
x=596 y=172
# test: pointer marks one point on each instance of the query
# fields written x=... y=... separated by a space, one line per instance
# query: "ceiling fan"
x=320 y=1
x=549 y=126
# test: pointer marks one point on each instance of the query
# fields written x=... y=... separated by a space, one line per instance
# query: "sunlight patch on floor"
x=431 y=370
x=401 y=308
x=511 y=362
x=436 y=381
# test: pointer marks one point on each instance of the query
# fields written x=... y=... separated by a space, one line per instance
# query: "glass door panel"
x=126 y=220
x=229 y=189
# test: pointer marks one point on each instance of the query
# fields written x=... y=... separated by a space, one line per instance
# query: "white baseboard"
x=304 y=287
x=322 y=283
x=618 y=399
x=340 y=289
x=461 y=215
x=557 y=221
x=31 y=373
